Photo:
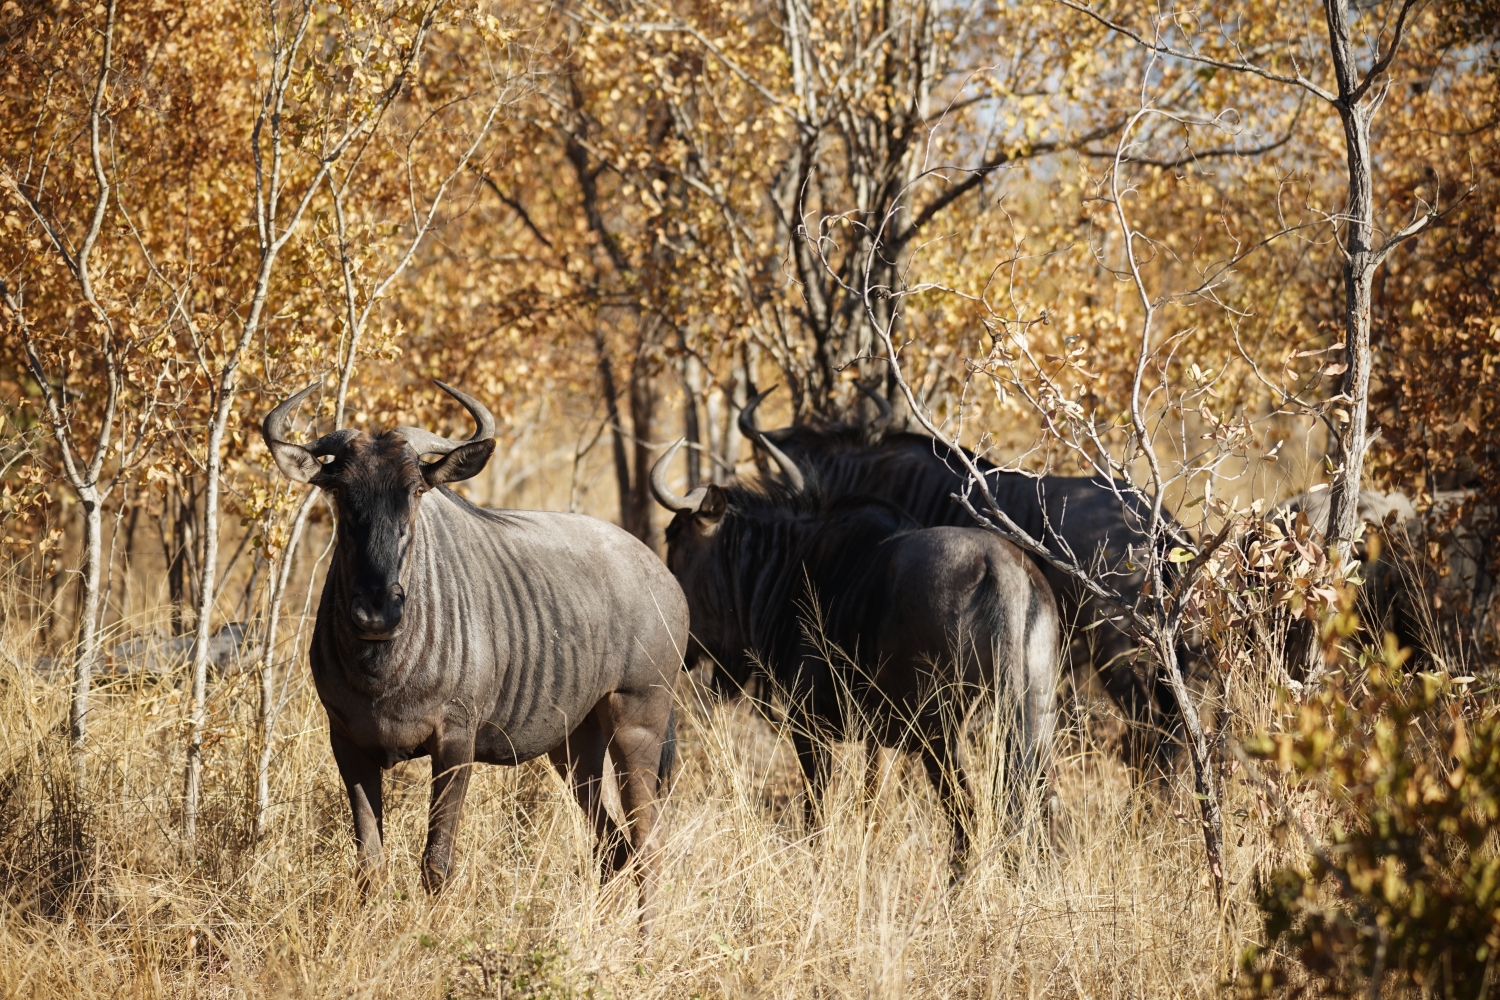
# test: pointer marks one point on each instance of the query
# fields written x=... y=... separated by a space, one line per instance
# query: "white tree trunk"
x=87 y=651
x=1359 y=271
x=268 y=706
x=207 y=587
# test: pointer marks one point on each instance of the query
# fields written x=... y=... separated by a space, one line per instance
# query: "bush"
x=1405 y=895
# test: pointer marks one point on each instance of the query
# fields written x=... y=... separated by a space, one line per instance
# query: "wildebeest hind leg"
x=362 y=781
x=946 y=773
x=636 y=730
x=580 y=760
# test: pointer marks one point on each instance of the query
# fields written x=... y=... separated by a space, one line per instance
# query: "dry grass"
x=100 y=902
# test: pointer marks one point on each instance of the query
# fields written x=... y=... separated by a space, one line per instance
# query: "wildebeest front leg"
x=452 y=765
x=816 y=761
x=362 y=781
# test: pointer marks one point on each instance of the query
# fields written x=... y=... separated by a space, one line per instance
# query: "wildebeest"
x=869 y=626
x=465 y=634
x=157 y=655
x=1398 y=573
x=1077 y=513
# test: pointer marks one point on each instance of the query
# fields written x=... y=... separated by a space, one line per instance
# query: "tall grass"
x=99 y=900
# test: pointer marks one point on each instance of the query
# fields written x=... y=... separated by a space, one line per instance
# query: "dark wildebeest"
x=918 y=474
x=868 y=625
x=465 y=634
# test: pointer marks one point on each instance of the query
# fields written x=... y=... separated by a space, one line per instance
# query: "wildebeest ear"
x=295 y=461
x=464 y=462
x=714 y=503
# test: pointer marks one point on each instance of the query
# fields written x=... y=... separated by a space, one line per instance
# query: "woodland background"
x=614 y=223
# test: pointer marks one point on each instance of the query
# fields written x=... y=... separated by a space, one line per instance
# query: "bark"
x=178 y=545
x=1359 y=271
x=611 y=395
x=691 y=430
x=127 y=560
x=269 y=708
x=642 y=416
x=1205 y=784
x=207 y=588
x=88 y=614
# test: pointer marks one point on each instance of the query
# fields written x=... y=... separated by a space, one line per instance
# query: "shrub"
x=1405 y=894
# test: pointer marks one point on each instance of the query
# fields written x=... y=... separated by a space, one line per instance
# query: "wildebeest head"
x=692 y=540
x=377 y=482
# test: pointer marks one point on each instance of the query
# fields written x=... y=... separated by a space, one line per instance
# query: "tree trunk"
x=1205 y=785
x=88 y=614
x=691 y=379
x=268 y=707
x=127 y=560
x=206 y=587
x=611 y=396
x=1359 y=270
x=177 y=546
x=642 y=417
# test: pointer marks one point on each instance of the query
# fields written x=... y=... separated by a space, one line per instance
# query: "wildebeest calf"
x=465 y=634
x=869 y=626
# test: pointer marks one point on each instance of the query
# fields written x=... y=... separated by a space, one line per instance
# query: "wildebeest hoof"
x=369 y=885
x=433 y=879
x=613 y=859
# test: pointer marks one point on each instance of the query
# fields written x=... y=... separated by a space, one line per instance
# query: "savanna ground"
x=751 y=905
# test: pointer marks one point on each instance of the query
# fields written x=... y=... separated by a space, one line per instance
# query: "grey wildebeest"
x=1398 y=572
x=918 y=474
x=466 y=634
x=869 y=626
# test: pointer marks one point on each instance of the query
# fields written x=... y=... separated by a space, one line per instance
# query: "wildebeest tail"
x=668 y=752
x=987 y=614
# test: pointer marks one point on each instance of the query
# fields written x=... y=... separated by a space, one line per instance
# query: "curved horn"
x=663 y=493
x=484 y=421
x=788 y=467
x=765 y=439
x=747 y=419
x=883 y=418
x=297 y=463
x=427 y=443
x=747 y=415
x=273 y=428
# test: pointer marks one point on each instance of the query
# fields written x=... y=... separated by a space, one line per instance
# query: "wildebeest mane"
x=798 y=561
x=468 y=506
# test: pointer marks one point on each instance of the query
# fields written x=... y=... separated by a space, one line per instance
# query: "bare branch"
x=1166 y=50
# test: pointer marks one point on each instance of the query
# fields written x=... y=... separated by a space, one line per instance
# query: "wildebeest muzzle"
x=376 y=612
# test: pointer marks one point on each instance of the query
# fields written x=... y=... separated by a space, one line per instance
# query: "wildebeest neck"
x=762 y=559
